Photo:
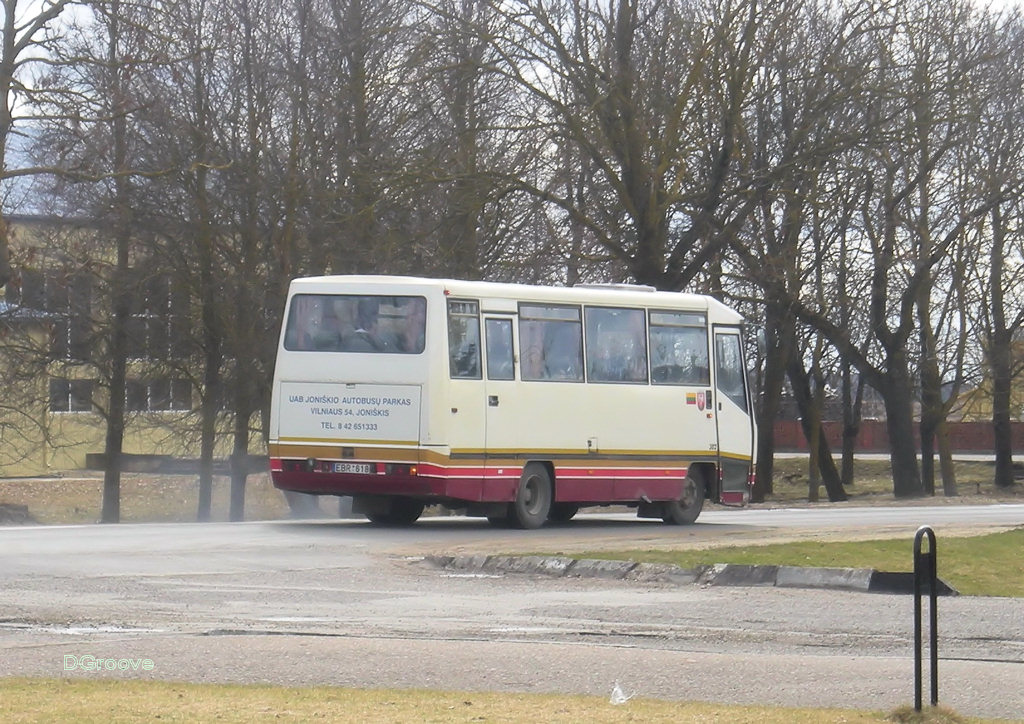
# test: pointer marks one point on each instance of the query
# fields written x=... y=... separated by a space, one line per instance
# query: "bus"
x=521 y=404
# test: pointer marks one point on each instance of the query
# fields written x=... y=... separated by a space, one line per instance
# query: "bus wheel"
x=401 y=511
x=563 y=512
x=685 y=510
x=533 y=498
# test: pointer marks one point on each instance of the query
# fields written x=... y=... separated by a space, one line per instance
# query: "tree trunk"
x=5 y=257
x=1000 y=355
x=114 y=442
x=1000 y=360
x=211 y=398
x=211 y=332
x=906 y=476
x=212 y=355
x=239 y=475
x=851 y=421
x=813 y=463
x=118 y=360
x=779 y=335
x=949 y=487
x=933 y=410
x=826 y=465
x=926 y=430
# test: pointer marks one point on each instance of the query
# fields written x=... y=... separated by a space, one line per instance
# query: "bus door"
x=503 y=414
x=733 y=413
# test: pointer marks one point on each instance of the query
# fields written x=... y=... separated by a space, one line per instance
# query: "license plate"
x=359 y=468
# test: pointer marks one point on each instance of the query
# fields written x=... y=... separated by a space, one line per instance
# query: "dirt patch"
x=12 y=514
x=872 y=485
x=145 y=498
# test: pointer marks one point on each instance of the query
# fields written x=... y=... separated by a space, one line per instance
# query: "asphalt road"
x=345 y=603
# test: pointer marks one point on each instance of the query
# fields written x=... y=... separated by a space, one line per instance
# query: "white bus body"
x=519 y=403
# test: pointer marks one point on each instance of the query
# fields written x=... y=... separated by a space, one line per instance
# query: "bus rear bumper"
x=318 y=483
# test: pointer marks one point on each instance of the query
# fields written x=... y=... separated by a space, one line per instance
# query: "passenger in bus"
x=465 y=361
x=366 y=337
x=563 y=352
x=412 y=338
x=331 y=330
x=533 y=362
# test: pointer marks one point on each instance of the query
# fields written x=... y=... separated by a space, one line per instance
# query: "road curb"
x=866 y=580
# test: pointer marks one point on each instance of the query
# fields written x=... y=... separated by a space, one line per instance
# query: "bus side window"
x=616 y=345
x=464 y=339
x=551 y=343
x=729 y=377
x=679 y=348
x=499 y=349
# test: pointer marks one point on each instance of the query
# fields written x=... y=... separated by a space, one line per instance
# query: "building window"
x=66 y=297
x=181 y=395
x=71 y=395
x=158 y=395
x=157 y=327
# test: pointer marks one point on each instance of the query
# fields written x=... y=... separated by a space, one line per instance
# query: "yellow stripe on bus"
x=411 y=452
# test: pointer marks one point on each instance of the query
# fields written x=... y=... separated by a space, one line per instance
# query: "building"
x=54 y=327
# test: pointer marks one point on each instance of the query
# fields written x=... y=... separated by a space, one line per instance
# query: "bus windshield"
x=356 y=323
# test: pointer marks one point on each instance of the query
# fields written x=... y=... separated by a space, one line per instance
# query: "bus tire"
x=563 y=512
x=685 y=510
x=401 y=512
x=533 y=498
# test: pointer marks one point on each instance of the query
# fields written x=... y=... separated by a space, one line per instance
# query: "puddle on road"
x=70 y=630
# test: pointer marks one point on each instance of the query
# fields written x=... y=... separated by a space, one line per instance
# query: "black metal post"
x=925 y=569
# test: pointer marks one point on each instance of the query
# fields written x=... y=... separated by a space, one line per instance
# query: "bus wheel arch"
x=534 y=496
x=687 y=508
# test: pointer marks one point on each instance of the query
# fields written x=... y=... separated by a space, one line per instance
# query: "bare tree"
x=29 y=37
x=650 y=95
x=804 y=115
x=92 y=135
x=183 y=207
x=999 y=155
x=475 y=131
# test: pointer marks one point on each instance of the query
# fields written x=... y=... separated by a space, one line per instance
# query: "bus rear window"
x=356 y=323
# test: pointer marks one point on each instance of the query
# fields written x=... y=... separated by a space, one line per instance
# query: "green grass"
x=872 y=482
x=987 y=565
x=85 y=701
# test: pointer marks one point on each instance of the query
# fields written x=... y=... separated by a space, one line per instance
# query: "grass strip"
x=986 y=565
x=109 y=701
